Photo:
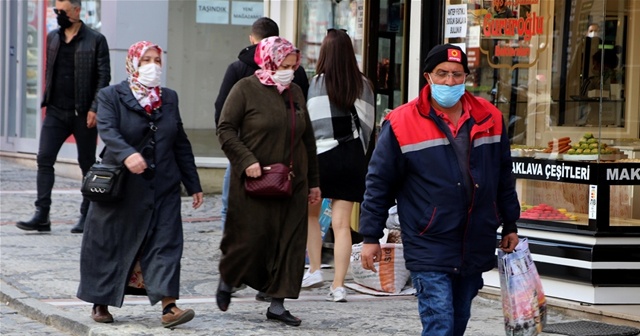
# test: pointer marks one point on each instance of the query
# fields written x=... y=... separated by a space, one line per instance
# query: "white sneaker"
x=337 y=295
x=312 y=280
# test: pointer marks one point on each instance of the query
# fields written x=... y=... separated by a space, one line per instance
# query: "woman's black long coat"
x=147 y=222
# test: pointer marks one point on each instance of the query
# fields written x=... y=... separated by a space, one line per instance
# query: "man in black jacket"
x=245 y=66
x=77 y=68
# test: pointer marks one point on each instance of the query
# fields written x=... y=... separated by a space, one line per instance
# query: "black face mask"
x=63 y=20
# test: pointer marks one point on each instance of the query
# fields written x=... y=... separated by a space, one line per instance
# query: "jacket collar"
x=246 y=56
x=129 y=100
x=79 y=36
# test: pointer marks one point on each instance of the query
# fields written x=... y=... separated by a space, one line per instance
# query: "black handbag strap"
x=152 y=130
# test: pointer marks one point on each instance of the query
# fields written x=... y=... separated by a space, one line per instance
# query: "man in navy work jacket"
x=445 y=158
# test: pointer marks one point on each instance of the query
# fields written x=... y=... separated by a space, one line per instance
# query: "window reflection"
x=89 y=14
x=590 y=88
x=567 y=70
x=316 y=16
x=28 y=119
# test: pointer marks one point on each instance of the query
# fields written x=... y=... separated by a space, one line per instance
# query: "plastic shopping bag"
x=523 y=301
x=392 y=274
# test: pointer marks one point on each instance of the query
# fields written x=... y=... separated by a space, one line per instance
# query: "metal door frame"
x=13 y=68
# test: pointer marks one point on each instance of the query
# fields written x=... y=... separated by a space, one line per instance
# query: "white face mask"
x=591 y=34
x=149 y=74
x=283 y=77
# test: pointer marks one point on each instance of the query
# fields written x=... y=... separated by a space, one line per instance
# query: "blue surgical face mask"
x=445 y=95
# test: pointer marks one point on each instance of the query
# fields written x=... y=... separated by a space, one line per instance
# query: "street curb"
x=569 y=308
x=54 y=317
x=40 y=311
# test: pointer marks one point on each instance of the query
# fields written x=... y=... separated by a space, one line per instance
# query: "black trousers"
x=57 y=126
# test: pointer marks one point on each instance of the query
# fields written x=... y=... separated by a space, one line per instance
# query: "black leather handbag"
x=104 y=182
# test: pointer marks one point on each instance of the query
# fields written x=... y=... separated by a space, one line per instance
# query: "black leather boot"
x=79 y=227
x=40 y=221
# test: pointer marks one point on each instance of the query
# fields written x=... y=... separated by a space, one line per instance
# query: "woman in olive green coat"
x=265 y=238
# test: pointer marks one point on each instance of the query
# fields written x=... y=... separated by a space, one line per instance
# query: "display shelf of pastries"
x=524 y=151
x=555 y=150
x=590 y=148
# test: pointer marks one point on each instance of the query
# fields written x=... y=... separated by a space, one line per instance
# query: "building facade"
x=555 y=68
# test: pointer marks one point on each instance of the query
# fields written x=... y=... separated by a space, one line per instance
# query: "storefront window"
x=545 y=63
x=316 y=16
x=89 y=14
x=590 y=86
x=32 y=105
x=390 y=75
x=558 y=72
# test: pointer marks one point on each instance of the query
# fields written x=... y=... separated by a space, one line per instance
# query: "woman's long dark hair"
x=337 y=61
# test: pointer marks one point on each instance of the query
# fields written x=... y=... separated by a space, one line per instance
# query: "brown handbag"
x=275 y=181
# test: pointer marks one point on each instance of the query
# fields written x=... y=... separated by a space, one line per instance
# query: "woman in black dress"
x=341 y=107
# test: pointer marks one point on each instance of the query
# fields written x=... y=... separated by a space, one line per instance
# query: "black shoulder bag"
x=105 y=182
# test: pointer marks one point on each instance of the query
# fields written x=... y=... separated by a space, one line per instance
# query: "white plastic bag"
x=393 y=221
x=392 y=274
x=523 y=301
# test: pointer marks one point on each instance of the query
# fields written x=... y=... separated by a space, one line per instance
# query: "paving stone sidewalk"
x=40 y=275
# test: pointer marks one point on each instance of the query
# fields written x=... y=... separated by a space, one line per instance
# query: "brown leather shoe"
x=100 y=314
x=173 y=316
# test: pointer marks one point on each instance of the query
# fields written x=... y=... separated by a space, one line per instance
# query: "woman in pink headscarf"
x=263 y=245
x=134 y=246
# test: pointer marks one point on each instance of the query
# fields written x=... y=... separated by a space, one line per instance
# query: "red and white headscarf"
x=149 y=98
x=270 y=53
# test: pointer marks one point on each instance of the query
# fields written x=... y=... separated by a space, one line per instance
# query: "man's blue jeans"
x=225 y=195
x=444 y=301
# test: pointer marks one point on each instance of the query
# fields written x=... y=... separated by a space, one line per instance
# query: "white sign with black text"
x=244 y=13
x=212 y=11
x=456 y=21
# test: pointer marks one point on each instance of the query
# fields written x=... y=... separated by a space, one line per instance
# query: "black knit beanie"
x=445 y=53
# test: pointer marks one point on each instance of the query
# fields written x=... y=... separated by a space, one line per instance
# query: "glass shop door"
x=388 y=52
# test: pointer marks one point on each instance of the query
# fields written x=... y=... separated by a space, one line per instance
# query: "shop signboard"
x=244 y=13
x=212 y=11
x=511 y=26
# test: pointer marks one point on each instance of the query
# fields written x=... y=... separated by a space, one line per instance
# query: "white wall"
x=204 y=51
x=196 y=55
x=125 y=22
